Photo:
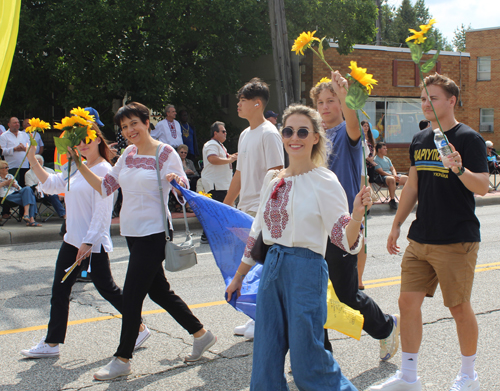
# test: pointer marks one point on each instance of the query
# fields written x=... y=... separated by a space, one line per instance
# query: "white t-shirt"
x=2 y=129
x=8 y=141
x=215 y=176
x=168 y=133
x=141 y=212
x=88 y=215
x=30 y=178
x=306 y=209
x=259 y=150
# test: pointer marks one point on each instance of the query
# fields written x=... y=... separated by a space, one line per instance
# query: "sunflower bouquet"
x=36 y=125
x=76 y=128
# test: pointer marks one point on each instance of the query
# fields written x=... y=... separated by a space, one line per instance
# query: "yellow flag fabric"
x=342 y=317
x=9 y=27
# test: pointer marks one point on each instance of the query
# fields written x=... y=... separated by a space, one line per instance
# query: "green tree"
x=458 y=40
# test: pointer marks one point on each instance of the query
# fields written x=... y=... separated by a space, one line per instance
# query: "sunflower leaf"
x=416 y=52
x=356 y=96
x=62 y=144
x=429 y=64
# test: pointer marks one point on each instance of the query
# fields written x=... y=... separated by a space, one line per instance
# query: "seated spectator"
x=188 y=166
x=17 y=195
x=30 y=179
x=387 y=174
x=491 y=155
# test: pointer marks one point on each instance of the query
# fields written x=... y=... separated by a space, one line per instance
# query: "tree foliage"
x=458 y=40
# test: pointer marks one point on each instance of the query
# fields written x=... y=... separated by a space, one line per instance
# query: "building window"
x=486 y=120
x=484 y=68
x=396 y=119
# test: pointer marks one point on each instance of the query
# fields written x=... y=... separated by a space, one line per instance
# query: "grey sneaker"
x=200 y=346
x=114 y=369
x=41 y=350
x=396 y=383
x=141 y=338
x=389 y=346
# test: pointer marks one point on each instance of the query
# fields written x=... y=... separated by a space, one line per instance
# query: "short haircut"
x=255 y=88
x=489 y=144
x=40 y=157
x=133 y=109
x=318 y=88
x=215 y=127
x=168 y=107
x=182 y=146
x=424 y=124
x=449 y=87
x=380 y=144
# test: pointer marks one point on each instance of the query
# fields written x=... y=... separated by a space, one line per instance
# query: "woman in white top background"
x=300 y=207
x=87 y=235
x=142 y=226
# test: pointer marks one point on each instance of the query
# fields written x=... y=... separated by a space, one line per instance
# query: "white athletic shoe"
x=250 y=331
x=240 y=330
x=41 y=350
x=396 y=383
x=464 y=382
x=141 y=338
x=114 y=369
x=389 y=346
x=200 y=346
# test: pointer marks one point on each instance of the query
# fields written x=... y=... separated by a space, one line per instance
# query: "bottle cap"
x=437 y=130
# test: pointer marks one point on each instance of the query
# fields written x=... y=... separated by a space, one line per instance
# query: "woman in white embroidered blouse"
x=88 y=220
x=142 y=225
x=300 y=207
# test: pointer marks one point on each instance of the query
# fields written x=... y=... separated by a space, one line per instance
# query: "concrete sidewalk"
x=13 y=232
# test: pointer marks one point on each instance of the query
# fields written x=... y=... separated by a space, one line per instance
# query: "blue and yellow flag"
x=9 y=27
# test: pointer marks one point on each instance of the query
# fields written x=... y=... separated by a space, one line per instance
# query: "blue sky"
x=450 y=14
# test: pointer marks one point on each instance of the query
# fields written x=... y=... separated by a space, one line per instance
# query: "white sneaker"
x=389 y=346
x=141 y=338
x=240 y=330
x=114 y=369
x=250 y=331
x=200 y=346
x=464 y=382
x=396 y=383
x=41 y=350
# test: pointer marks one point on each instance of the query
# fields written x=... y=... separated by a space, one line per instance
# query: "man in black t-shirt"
x=444 y=238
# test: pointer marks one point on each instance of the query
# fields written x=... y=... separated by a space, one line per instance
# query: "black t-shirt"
x=445 y=212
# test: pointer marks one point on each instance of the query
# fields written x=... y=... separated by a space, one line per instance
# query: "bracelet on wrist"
x=242 y=275
x=356 y=220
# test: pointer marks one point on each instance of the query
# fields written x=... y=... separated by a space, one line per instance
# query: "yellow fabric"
x=341 y=317
x=9 y=27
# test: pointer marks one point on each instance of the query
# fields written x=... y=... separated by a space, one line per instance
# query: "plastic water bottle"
x=441 y=142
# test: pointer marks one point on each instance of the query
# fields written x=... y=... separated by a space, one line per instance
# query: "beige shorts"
x=452 y=265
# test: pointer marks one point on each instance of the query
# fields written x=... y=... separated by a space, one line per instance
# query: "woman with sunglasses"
x=88 y=218
x=300 y=207
x=142 y=225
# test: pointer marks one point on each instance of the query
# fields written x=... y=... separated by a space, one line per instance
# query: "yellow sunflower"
x=91 y=135
x=65 y=122
x=418 y=36
x=205 y=194
x=83 y=113
x=426 y=27
x=324 y=80
x=37 y=124
x=303 y=42
x=360 y=75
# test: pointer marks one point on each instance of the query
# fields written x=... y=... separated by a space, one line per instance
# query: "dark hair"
x=133 y=109
x=104 y=150
x=255 y=88
x=215 y=127
x=369 y=134
x=449 y=87
x=380 y=144
x=424 y=124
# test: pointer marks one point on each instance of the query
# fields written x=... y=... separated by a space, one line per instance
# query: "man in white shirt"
x=217 y=165
x=168 y=131
x=13 y=144
x=36 y=136
x=260 y=149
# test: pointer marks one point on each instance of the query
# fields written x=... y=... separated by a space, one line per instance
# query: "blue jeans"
x=58 y=206
x=24 y=197
x=291 y=312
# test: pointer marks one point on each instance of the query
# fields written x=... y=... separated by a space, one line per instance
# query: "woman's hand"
x=83 y=253
x=31 y=152
x=177 y=178
x=234 y=286
x=188 y=171
x=363 y=198
x=72 y=154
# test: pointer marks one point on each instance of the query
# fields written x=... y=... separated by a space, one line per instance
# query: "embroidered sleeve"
x=338 y=235
x=109 y=185
x=170 y=162
x=109 y=181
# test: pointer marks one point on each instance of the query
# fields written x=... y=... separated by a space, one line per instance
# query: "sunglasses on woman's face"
x=288 y=132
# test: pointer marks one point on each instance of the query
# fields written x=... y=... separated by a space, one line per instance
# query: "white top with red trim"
x=140 y=214
x=302 y=211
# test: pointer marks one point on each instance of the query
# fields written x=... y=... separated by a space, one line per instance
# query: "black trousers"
x=217 y=195
x=145 y=275
x=343 y=272
x=59 y=303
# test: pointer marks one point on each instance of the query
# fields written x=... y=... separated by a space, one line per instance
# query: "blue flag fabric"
x=227 y=230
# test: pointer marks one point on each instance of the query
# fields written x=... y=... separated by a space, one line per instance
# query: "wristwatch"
x=461 y=170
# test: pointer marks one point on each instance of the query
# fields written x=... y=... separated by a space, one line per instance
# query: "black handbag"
x=259 y=250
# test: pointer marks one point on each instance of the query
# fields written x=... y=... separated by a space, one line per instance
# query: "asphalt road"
x=26 y=277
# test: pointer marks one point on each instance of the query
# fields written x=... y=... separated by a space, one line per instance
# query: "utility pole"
x=379 y=24
x=281 y=54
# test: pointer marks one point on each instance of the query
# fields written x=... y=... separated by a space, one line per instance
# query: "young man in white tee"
x=260 y=149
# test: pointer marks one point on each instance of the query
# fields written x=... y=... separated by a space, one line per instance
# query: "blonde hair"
x=321 y=149
x=316 y=90
x=182 y=146
x=3 y=162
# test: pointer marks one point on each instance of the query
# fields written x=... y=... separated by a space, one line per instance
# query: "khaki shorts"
x=452 y=265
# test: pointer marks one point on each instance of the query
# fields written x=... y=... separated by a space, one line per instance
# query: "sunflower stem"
x=322 y=59
x=363 y=141
x=15 y=176
x=430 y=100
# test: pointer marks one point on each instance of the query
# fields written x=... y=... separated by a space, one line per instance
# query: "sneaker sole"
x=398 y=326
x=38 y=355
x=203 y=351
x=111 y=378
x=143 y=340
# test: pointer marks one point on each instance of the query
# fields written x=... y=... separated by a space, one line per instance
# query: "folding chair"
x=494 y=171
x=381 y=190
x=15 y=212
x=45 y=209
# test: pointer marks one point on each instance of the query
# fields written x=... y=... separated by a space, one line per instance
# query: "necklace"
x=185 y=131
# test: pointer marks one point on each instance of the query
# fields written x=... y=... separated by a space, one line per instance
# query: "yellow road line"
x=381 y=282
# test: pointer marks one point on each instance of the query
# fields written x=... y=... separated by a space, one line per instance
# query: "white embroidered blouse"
x=302 y=211
x=136 y=175
x=88 y=216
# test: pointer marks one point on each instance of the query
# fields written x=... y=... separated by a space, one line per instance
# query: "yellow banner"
x=9 y=27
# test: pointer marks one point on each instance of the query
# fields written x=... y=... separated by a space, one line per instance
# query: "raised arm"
x=40 y=173
x=93 y=180
x=340 y=86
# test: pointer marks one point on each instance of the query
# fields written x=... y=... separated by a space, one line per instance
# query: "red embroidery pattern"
x=338 y=232
x=172 y=128
x=147 y=163
x=110 y=184
x=249 y=246
x=275 y=214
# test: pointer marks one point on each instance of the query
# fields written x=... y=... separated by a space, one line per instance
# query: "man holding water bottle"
x=444 y=238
